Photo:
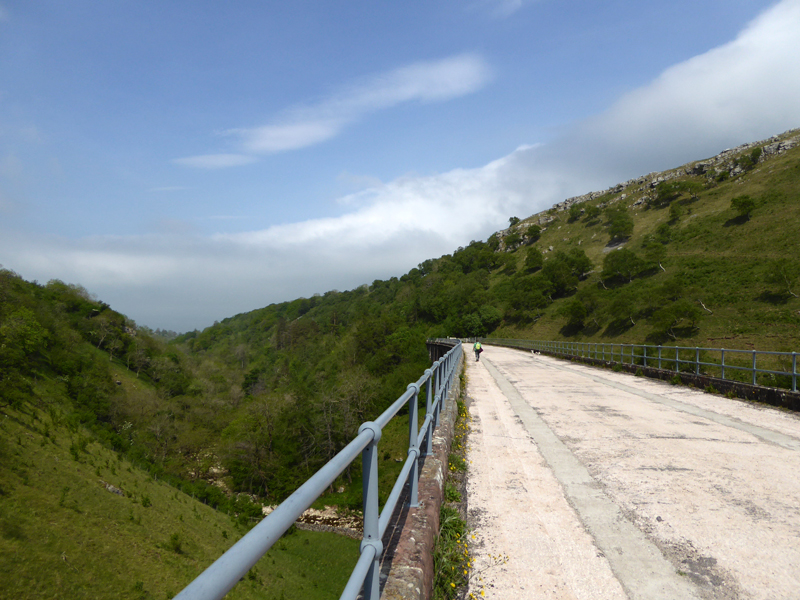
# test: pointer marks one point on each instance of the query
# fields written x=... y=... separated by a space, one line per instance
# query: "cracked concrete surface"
x=602 y=485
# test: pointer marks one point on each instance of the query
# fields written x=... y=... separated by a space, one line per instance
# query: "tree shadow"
x=774 y=298
x=617 y=327
x=571 y=329
x=616 y=243
x=658 y=338
x=591 y=329
x=740 y=220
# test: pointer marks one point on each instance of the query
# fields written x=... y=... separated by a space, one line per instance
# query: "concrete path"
x=603 y=485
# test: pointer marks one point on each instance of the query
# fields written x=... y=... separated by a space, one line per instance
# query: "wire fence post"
x=794 y=371
x=754 y=367
x=372 y=538
x=722 y=361
x=644 y=355
x=659 y=357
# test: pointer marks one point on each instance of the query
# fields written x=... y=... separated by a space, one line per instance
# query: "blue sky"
x=187 y=161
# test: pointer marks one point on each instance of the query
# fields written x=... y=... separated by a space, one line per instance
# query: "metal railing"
x=734 y=365
x=226 y=571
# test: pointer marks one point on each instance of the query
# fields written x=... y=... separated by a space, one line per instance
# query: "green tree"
x=533 y=233
x=533 y=259
x=743 y=205
x=574 y=213
x=749 y=161
x=21 y=334
x=784 y=274
x=623 y=307
x=513 y=221
x=579 y=262
x=675 y=212
x=560 y=273
x=513 y=240
x=654 y=252
x=575 y=312
x=620 y=223
x=677 y=318
x=591 y=212
x=623 y=264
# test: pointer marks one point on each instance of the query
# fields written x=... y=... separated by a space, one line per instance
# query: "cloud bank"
x=745 y=90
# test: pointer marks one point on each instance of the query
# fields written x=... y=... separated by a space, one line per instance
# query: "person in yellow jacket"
x=478 y=349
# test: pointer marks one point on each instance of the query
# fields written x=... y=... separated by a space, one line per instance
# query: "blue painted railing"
x=226 y=571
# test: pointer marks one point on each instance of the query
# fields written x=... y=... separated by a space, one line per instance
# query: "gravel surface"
x=603 y=485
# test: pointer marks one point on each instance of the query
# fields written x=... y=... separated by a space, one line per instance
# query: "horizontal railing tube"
x=358 y=575
x=228 y=569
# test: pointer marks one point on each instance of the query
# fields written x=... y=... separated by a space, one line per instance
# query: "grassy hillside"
x=695 y=270
x=77 y=520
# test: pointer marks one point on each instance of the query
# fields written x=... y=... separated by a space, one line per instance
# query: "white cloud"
x=288 y=136
x=215 y=161
x=742 y=91
x=303 y=126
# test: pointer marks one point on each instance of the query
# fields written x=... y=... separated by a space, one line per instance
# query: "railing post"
x=429 y=412
x=436 y=387
x=722 y=358
x=644 y=355
x=794 y=371
x=677 y=360
x=413 y=443
x=696 y=360
x=659 y=356
x=369 y=462
x=754 y=367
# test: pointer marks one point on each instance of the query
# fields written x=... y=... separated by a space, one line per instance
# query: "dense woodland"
x=262 y=399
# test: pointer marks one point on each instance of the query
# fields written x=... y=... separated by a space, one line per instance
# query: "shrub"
x=743 y=205
x=620 y=223
x=591 y=212
x=533 y=233
x=533 y=259
x=175 y=543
